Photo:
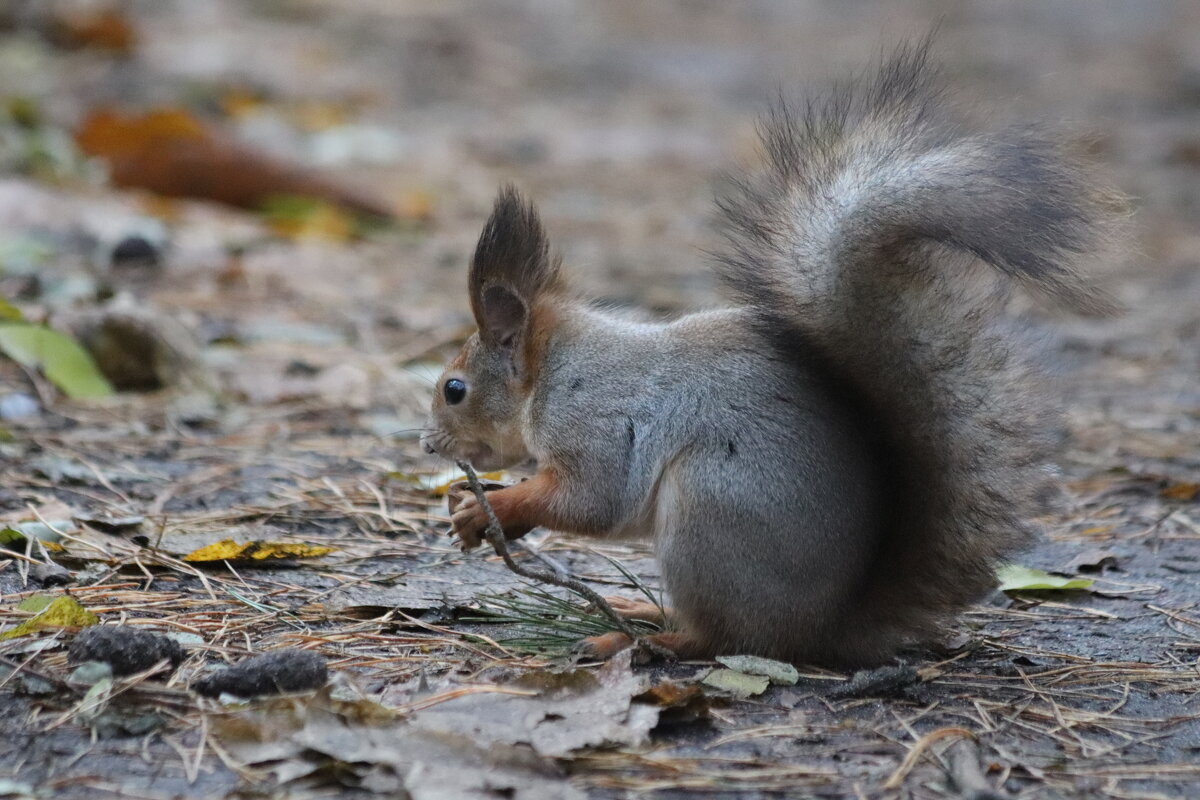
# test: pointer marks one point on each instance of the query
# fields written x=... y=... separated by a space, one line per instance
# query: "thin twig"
x=495 y=537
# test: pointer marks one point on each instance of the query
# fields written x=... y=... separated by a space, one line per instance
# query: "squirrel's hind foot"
x=681 y=644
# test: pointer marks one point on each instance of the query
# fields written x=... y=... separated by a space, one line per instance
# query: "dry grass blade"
x=896 y=780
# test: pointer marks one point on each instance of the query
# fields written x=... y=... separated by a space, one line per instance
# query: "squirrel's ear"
x=511 y=269
x=503 y=317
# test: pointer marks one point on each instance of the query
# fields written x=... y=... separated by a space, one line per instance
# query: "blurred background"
x=277 y=199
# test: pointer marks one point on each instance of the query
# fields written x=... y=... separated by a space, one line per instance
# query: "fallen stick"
x=495 y=537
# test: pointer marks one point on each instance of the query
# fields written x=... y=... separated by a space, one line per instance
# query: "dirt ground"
x=295 y=365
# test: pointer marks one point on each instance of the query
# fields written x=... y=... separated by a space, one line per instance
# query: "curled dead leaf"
x=679 y=703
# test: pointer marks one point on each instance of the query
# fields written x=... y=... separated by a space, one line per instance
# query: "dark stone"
x=51 y=574
x=135 y=251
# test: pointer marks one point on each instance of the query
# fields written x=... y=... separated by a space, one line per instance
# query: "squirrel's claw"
x=637 y=610
x=469 y=522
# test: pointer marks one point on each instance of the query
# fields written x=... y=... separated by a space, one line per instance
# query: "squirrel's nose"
x=427 y=445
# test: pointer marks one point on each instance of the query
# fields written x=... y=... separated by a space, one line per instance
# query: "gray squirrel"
x=833 y=466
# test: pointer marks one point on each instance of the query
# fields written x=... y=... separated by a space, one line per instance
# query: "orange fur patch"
x=543 y=317
x=526 y=504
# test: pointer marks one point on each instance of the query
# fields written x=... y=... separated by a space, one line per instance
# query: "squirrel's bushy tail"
x=854 y=244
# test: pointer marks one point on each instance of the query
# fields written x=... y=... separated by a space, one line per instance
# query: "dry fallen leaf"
x=1187 y=492
x=738 y=684
x=380 y=753
x=575 y=710
x=778 y=672
x=102 y=29
x=174 y=154
x=679 y=703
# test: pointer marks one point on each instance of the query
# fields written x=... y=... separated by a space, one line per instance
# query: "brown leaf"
x=576 y=710
x=104 y=29
x=1186 y=492
x=295 y=737
x=172 y=153
x=680 y=703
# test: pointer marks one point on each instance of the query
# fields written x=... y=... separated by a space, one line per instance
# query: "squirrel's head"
x=480 y=401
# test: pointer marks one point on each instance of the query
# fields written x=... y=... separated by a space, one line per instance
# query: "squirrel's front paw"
x=469 y=523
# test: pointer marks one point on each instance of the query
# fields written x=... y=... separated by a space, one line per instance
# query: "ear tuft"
x=511 y=268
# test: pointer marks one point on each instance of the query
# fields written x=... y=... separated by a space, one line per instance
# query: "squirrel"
x=833 y=466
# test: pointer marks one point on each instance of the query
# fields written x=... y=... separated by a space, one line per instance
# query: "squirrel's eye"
x=454 y=391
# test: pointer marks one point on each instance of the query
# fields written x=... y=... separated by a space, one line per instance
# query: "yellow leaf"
x=316 y=115
x=287 y=550
x=224 y=549
x=301 y=218
x=61 y=612
x=229 y=550
x=239 y=102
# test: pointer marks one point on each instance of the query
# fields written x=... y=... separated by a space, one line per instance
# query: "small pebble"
x=17 y=405
x=51 y=574
x=135 y=250
x=276 y=672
